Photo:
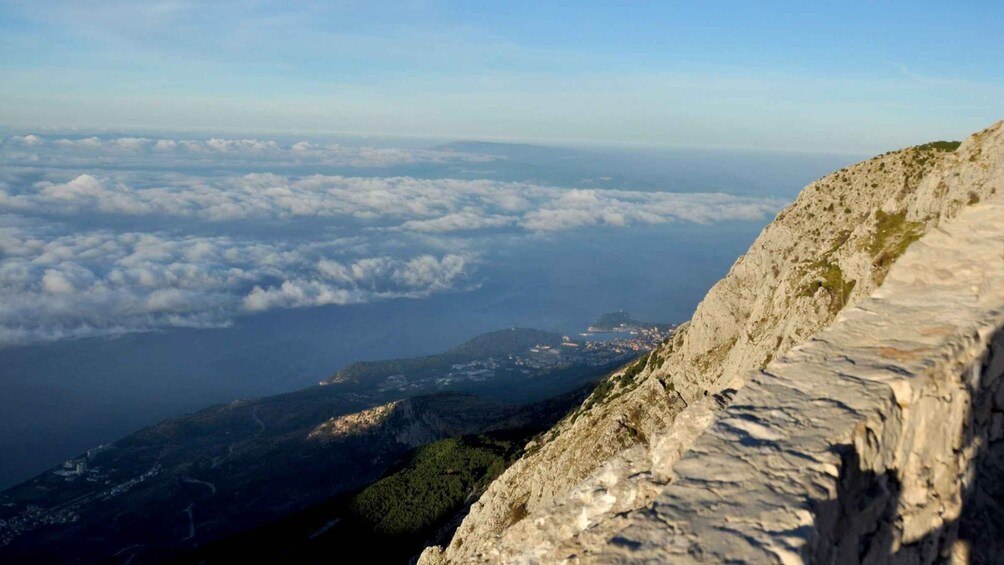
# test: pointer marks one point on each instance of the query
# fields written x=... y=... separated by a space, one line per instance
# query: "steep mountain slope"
x=833 y=245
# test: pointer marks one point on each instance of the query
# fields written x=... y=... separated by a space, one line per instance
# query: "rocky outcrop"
x=615 y=455
x=859 y=446
x=424 y=419
x=349 y=425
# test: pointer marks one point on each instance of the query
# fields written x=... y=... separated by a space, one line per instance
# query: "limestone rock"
x=353 y=424
x=858 y=446
x=831 y=247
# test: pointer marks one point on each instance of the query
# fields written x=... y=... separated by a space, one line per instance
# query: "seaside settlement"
x=593 y=348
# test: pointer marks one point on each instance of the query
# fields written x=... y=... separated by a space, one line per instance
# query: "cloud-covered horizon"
x=34 y=149
x=94 y=249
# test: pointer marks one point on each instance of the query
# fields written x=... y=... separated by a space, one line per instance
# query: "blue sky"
x=855 y=77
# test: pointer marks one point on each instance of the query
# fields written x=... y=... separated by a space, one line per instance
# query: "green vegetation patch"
x=433 y=485
x=633 y=370
x=945 y=146
x=616 y=384
x=838 y=242
x=624 y=381
x=919 y=159
x=656 y=360
x=599 y=394
x=715 y=356
x=831 y=278
x=893 y=234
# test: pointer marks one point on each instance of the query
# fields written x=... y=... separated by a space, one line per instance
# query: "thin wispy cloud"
x=38 y=150
x=643 y=76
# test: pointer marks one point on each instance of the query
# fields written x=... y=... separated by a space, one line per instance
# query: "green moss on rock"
x=892 y=236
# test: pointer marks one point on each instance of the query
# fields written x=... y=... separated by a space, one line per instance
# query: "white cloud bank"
x=361 y=281
x=118 y=245
x=99 y=282
x=406 y=203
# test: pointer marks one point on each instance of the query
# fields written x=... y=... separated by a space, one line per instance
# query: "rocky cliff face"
x=831 y=247
x=878 y=440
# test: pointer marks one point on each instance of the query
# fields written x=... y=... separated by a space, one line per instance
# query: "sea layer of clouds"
x=92 y=249
x=405 y=203
x=56 y=284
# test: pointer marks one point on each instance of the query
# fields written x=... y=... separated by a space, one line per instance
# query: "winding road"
x=190 y=480
x=254 y=414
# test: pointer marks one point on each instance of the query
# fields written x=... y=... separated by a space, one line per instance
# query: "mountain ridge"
x=829 y=248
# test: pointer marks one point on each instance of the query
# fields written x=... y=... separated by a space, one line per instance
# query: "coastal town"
x=596 y=347
x=96 y=484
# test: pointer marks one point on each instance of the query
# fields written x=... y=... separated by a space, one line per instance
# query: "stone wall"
x=877 y=441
